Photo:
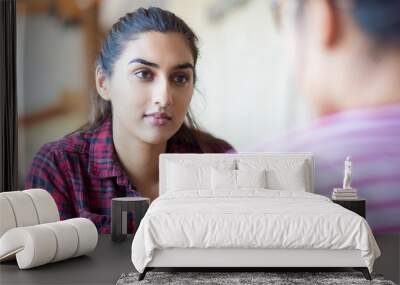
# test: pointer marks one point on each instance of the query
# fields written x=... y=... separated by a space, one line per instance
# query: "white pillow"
x=236 y=179
x=188 y=174
x=223 y=179
x=282 y=174
x=251 y=178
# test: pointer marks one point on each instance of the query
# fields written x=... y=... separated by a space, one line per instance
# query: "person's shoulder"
x=212 y=144
x=73 y=143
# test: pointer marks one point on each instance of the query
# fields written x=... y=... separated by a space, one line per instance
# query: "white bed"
x=247 y=210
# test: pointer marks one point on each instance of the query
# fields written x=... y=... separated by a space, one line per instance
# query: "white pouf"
x=45 y=205
x=7 y=218
x=40 y=244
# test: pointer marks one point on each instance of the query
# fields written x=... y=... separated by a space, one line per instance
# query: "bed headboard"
x=307 y=158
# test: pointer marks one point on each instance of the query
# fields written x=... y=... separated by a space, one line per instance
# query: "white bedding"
x=250 y=218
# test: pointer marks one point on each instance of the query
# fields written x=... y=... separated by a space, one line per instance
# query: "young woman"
x=145 y=76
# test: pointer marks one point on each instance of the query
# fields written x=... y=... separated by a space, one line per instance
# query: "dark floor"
x=389 y=262
x=110 y=260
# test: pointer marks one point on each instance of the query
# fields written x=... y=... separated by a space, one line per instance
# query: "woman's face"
x=151 y=86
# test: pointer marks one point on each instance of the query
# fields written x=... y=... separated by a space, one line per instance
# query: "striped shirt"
x=371 y=137
x=82 y=173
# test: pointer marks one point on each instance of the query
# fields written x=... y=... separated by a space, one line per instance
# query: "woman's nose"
x=162 y=96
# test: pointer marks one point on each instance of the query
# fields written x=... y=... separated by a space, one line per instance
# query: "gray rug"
x=270 y=278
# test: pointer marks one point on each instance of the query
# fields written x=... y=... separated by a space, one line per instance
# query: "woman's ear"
x=102 y=84
x=325 y=22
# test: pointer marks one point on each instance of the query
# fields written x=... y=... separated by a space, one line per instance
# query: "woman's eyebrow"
x=184 y=66
x=146 y=62
x=143 y=61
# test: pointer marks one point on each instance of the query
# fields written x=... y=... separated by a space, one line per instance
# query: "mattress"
x=250 y=219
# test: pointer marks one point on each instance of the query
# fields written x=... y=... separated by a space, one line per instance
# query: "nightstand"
x=119 y=214
x=358 y=206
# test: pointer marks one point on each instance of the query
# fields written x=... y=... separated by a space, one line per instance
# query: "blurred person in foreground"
x=345 y=56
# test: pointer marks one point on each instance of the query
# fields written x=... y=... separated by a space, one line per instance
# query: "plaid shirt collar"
x=103 y=161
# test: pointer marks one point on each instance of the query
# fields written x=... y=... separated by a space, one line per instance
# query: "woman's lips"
x=158 y=119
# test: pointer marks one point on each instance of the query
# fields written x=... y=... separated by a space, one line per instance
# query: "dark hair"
x=126 y=29
x=380 y=19
x=140 y=21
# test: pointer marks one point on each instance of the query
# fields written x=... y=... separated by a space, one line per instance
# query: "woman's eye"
x=181 y=79
x=144 y=74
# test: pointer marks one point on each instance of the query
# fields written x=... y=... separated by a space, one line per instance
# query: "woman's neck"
x=369 y=82
x=139 y=159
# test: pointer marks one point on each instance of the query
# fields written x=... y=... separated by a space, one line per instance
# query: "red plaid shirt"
x=82 y=174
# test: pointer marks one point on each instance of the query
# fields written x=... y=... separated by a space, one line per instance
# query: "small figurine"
x=347 y=174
